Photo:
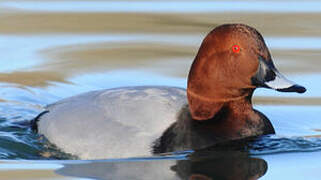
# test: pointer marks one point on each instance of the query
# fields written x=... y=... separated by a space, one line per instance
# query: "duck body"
x=233 y=60
x=141 y=121
x=119 y=122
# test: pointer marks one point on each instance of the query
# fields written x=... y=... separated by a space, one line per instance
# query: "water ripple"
x=273 y=145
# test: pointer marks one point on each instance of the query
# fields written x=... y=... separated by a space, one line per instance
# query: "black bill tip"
x=294 y=88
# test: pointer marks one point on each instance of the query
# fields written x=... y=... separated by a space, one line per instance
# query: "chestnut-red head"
x=232 y=61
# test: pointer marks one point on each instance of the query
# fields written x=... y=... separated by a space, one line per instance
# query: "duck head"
x=232 y=61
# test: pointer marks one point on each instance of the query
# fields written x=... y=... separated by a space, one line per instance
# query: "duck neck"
x=236 y=119
x=239 y=108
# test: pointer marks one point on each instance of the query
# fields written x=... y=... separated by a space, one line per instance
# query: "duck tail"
x=34 y=122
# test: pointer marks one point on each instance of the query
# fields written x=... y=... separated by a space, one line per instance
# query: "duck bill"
x=269 y=77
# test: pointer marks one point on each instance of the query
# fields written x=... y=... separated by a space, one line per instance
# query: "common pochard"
x=233 y=60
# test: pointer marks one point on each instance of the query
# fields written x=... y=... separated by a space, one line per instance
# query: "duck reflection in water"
x=220 y=165
x=207 y=164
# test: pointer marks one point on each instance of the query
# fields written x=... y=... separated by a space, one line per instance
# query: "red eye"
x=236 y=48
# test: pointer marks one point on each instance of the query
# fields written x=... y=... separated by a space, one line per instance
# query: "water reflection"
x=202 y=165
x=223 y=164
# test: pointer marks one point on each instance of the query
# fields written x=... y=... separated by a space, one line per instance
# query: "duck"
x=232 y=61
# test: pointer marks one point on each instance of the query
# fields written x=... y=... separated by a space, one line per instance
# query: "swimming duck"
x=233 y=60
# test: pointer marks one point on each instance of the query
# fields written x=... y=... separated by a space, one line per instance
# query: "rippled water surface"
x=55 y=49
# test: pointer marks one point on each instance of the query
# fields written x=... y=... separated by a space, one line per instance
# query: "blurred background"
x=54 y=49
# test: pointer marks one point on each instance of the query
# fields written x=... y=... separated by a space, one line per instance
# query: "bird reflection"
x=223 y=161
x=219 y=164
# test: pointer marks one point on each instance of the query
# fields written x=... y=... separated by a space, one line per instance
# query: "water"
x=55 y=49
